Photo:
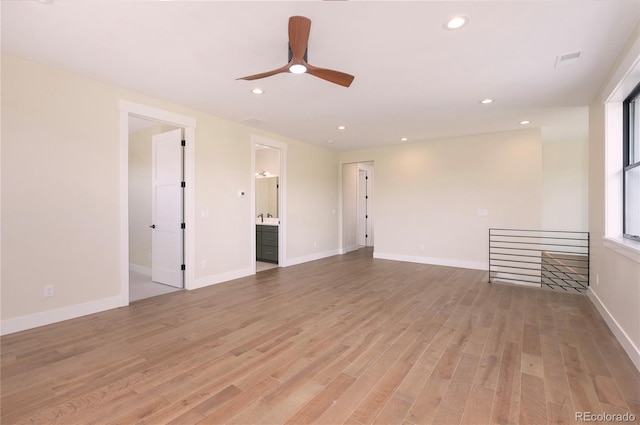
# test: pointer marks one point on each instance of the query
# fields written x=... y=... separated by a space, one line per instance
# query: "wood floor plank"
x=533 y=406
x=449 y=410
x=424 y=409
x=477 y=410
x=325 y=398
x=503 y=403
x=393 y=412
x=235 y=405
x=583 y=393
x=343 y=340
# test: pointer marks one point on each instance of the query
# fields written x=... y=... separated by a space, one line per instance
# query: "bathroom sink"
x=270 y=221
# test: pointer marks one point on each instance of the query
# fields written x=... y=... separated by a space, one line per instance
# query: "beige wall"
x=427 y=195
x=61 y=191
x=349 y=221
x=312 y=201
x=615 y=278
x=60 y=174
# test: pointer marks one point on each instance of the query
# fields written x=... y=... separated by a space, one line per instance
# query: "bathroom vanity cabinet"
x=267 y=243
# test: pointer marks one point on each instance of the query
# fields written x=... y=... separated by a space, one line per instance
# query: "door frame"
x=368 y=168
x=127 y=109
x=282 y=198
x=349 y=205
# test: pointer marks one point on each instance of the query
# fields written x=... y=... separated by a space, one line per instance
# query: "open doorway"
x=357 y=213
x=269 y=166
x=185 y=126
x=156 y=208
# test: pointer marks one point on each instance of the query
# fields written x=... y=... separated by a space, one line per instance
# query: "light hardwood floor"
x=343 y=340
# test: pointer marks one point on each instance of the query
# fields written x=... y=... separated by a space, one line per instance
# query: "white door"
x=362 y=208
x=167 y=212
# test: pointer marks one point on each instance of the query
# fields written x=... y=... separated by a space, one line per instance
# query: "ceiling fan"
x=299 y=28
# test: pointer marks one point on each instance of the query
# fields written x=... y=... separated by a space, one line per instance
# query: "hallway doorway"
x=137 y=117
x=156 y=208
x=357 y=211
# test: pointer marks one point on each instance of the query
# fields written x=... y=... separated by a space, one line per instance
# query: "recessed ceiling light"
x=456 y=22
x=342 y=127
x=257 y=90
x=486 y=101
x=403 y=139
x=525 y=122
x=330 y=142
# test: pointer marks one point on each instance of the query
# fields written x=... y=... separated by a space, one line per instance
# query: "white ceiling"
x=413 y=78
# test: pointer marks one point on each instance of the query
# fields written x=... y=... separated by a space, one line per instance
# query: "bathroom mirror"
x=267 y=196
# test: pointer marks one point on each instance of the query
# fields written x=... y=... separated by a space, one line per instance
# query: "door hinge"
x=183 y=142
x=183 y=267
x=366 y=177
x=366 y=236
x=366 y=197
x=183 y=225
x=183 y=184
x=366 y=216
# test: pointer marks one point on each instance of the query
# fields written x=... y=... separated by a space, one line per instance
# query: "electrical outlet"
x=48 y=291
x=204 y=264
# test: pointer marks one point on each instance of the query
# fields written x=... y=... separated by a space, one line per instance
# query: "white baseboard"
x=347 y=249
x=237 y=274
x=221 y=277
x=312 y=257
x=627 y=344
x=434 y=261
x=140 y=269
x=35 y=320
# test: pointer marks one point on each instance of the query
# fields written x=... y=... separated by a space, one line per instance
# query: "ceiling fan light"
x=297 y=68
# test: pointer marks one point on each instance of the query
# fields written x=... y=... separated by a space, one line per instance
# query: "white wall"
x=61 y=192
x=565 y=189
x=615 y=264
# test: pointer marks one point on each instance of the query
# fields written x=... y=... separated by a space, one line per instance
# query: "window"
x=631 y=165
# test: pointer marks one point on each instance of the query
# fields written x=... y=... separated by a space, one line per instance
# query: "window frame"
x=627 y=140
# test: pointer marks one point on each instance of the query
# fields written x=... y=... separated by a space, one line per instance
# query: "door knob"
x=153 y=226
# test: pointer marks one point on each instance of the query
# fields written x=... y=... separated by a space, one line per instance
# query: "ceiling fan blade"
x=330 y=75
x=299 y=29
x=265 y=74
